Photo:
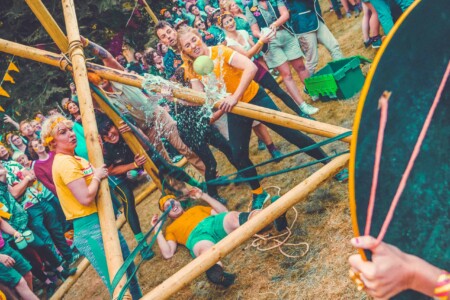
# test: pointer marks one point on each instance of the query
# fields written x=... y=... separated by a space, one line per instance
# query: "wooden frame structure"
x=77 y=64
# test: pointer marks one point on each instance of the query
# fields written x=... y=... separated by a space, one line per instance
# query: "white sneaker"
x=308 y=109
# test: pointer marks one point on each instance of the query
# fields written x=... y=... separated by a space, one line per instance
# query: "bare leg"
x=285 y=72
x=299 y=67
x=374 y=23
x=263 y=134
x=24 y=290
x=365 y=22
x=29 y=279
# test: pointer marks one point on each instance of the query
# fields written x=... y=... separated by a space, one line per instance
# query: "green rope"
x=129 y=260
x=222 y=180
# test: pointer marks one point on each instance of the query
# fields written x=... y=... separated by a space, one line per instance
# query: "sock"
x=271 y=147
x=257 y=191
x=243 y=217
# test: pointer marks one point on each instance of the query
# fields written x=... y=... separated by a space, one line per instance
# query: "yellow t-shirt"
x=181 y=228
x=223 y=69
x=67 y=168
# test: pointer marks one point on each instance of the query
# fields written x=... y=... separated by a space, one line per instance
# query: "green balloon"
x=203 y=65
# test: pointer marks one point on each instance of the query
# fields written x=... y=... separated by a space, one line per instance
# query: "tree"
x=39 y=86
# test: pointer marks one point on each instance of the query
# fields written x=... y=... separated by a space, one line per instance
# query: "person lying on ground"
x=200 y=228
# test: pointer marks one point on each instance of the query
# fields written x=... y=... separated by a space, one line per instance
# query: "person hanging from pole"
x=237 y=72
x=200 y=228
x=77 y=184
x=149 y=116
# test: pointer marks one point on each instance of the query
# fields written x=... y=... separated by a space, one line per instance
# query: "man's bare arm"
x=102 y=53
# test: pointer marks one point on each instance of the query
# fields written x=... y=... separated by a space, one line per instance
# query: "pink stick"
x=383 y=104
x=413 y=157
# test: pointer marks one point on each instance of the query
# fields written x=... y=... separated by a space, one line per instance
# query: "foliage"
x=38 y=86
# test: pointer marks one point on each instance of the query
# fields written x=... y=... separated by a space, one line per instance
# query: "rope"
x=415 y=153
x=129 y=260
x=222 y=181
x=280 y=240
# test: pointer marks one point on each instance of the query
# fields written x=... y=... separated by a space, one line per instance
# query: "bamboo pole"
x=150 y=11
x=84 y=264
x=49 y=24
x=110 y=236
x=202 y=263
x=131 y=140
x=195 y=97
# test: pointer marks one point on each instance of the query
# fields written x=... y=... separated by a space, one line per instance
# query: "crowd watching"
x=48 y=187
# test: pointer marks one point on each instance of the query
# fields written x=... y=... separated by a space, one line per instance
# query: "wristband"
x=96 y=178
x=260 y=43
x=442 y=289
x=86 y=42
x=136 y=165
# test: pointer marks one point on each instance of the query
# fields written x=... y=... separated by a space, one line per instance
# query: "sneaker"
x=342 y=176
x=306 y=116
x=308 y=109
x=217 y=276
x=147 y=253
x=65 y=273
x=367 y=43
x=261 y=145
x=376 y=42
x=276 y=154
x=50 y=289
x=177 y=158
x=259 y=200
x=348 y=15
x=75 y=257
x=357 y=12
x=280 y=222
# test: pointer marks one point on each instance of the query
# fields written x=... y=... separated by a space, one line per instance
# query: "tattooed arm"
x=102 y=53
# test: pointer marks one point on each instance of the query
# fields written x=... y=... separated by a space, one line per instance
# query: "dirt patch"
x=323 y=220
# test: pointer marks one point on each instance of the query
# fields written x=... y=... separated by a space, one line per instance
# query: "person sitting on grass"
x=15 y=271
x=200 y=228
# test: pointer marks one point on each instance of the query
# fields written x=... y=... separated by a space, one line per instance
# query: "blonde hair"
x=49 y=128
x=225 y=6
x=189 y=61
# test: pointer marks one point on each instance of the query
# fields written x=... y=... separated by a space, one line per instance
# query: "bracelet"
x=86 y=43
x=96 y=178
x=260 y=43
x=442 y=289
x=136 y=165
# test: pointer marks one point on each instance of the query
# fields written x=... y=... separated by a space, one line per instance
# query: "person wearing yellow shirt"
x=200 y=228
x=77 y=184
x=237 y=72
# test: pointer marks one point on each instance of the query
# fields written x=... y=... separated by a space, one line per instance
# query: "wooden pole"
x=84 y=264
x=58 y=36
x=110 y=236
x=202 y=263
x=150 y=12
x=195 y=97
x=49 y=24
x=131 y=140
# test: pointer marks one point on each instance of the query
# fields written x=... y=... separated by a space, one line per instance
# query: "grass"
x=323 y=220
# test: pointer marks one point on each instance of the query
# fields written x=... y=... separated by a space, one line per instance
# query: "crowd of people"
x=48 y=187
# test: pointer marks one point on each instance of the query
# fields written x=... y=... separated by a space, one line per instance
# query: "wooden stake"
x=150 y=12
x=202 y=263
x=49 y=24
x=131 y=140
x=84 y=264
x=110 y=236
x=195 y=97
